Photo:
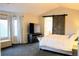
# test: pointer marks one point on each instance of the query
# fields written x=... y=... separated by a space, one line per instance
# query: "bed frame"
x=56 y=50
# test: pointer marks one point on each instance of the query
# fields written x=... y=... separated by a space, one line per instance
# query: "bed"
x=57 y=43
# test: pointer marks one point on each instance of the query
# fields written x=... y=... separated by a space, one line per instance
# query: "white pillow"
x=39 y=38
x=73 y=37
x=70 y=35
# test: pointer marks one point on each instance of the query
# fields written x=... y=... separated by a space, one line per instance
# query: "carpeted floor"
x=27 y=50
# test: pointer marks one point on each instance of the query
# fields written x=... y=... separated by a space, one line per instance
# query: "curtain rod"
x=55 y=15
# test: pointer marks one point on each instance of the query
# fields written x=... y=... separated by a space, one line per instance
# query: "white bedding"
x=57 y=41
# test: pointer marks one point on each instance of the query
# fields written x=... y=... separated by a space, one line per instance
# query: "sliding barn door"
x=59 y=24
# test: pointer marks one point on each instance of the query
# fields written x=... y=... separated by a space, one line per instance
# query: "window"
x=3 y=28
x=48 y=25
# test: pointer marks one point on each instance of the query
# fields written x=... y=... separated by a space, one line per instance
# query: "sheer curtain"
x=14 y=27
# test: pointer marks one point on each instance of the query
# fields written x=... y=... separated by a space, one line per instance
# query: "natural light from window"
x=3 y=28
x=15 y=27
x=48 y=25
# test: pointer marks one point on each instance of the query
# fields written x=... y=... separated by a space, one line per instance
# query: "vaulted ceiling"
x=34 y=8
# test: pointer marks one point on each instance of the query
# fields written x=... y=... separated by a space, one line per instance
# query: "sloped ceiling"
x=34 y=8
x=74 y=6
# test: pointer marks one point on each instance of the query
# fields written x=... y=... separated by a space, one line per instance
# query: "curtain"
x=19 y=25
x=58 y=24
x=15 y=39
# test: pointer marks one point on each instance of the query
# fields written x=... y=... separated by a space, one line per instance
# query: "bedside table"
x=75 y=48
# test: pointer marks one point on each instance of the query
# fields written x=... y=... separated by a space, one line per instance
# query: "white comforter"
x=57 y=41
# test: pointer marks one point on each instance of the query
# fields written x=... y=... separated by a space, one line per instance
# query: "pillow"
x=73 y=37
x=39 y=38
x=70 y=35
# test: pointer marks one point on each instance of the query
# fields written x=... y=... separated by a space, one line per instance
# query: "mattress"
x=56 y=50
x=56 y=43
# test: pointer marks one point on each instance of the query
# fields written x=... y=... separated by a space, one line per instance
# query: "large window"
x=48 y=25
x=3 y=28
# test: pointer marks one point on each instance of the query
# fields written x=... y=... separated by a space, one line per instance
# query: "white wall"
x=71 y=21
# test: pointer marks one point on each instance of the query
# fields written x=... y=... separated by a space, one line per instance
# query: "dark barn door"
x=59 y=24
